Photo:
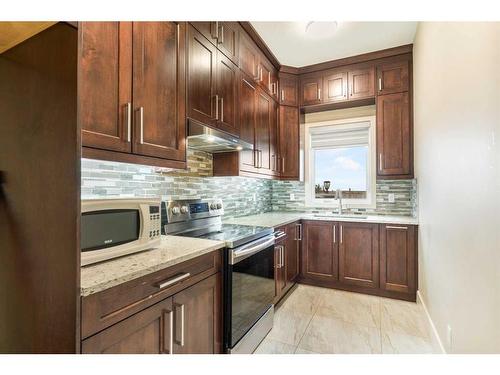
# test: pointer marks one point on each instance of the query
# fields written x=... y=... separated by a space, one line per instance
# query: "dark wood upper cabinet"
x=105 y=85
x=197 y=318
x=202 y=66
x=228 y=40
x=392 y=78
x=288 y=89
x=249 y=57
x=159 y=78
x=227 y=95
x=361 y=83
x=335 y=87
x=289 y=133
x=266 y=134
x=248 y=118
x=310 y=90
x=359 y=254
x=398 y=260
x=147 y=332
x=394 y=136
x=320 y=251
x=208 y=29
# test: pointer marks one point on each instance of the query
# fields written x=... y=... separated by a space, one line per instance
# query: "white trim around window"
x=344 y=124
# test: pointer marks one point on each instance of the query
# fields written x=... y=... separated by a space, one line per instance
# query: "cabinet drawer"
x=110 y=306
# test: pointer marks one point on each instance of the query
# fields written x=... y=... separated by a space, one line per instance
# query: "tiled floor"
x=318 y=320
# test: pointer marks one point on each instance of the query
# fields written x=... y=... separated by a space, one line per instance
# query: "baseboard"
x=434 y=330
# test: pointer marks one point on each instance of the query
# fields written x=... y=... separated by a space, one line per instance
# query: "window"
x=341 y=155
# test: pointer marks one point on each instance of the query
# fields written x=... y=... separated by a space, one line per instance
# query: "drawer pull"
x=393 y=227
x=173 y=280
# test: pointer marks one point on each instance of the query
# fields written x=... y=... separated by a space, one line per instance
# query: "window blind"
x=334 y=136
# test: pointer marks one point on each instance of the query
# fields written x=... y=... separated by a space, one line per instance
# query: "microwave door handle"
x=238 y=255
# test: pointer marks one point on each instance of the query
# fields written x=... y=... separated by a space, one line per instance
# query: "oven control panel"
x=190 y=209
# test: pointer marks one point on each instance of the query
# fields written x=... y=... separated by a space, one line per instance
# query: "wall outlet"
x=254 y=197
x=292 y=196
x=449 y=337
x=391 y=197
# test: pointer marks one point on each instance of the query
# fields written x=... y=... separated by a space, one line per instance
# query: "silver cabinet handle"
x=216 y=30
x=222 y=109
x=319 y=94
x=299 y=226
x=128 y=113
x=216 y=106
x=282 y=164
x=181 y=333
x=282 y=95
x=380 y=84
x=141 y=124
x=341 y=233
x=171 y=329
x=255 y=158
x=282 y=256
x=221 y=41
x=335 y=233
x=393 y=227
x=380 y=162
x=173 y=280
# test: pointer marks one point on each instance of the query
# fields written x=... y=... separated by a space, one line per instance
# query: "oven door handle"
x=245 y=251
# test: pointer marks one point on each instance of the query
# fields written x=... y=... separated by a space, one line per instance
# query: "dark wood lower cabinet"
x=358 y=254
x=378 y=259
x=147 y=332
x=398 y=263
x=189 y=322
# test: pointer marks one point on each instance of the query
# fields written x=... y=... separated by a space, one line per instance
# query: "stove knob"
x=219 y=206
x=176 y=210
x=184 y=209
x=213 y=206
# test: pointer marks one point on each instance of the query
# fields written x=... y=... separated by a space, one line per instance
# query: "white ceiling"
x=294 y=47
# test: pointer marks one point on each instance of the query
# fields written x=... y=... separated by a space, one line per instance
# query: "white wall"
x=457 y=161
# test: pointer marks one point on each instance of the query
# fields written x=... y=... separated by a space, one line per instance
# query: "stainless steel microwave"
x=112 y=228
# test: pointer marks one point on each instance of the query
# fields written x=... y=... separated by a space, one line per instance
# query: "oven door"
x=250 y=287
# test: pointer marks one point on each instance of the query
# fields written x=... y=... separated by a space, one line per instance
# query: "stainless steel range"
x=249 y=286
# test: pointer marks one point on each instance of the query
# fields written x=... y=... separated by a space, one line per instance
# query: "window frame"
x=353 y=123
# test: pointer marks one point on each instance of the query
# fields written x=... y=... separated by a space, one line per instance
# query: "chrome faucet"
x=338 y=196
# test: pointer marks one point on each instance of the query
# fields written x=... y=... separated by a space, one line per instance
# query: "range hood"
x=201 y=137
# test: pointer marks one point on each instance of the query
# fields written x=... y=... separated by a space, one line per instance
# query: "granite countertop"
x=276 y=219
x=172 y=250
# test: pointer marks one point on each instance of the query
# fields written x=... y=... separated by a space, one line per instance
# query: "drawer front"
x=110 y=306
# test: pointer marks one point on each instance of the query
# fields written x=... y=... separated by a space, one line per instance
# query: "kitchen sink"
x=341 y=216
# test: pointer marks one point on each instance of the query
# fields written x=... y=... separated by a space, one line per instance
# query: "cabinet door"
x=288 y=89
x=361 y=83
x=147 y=332
x=248 y=117
x=249 y=57
x=228 y=40
x=292 y=249
x=359 y=254
x=105 y=85
x=265 y=134
x=310 y=90
x=202 y=62
x=279 y=269
x=208 y=29
x=398 y=267
x=335 y=87
x=289 y=129
x=159 y=78
x=320 y=251
x=198 y=318
x=227 y=94
x=394 y=136
x=392 y=78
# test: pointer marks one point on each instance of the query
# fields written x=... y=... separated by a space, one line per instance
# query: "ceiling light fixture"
x=321 y=29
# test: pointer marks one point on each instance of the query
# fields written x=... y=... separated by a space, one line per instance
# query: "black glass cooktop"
x=235 y=235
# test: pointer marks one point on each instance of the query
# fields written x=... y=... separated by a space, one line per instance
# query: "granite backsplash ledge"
x=241 y=195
